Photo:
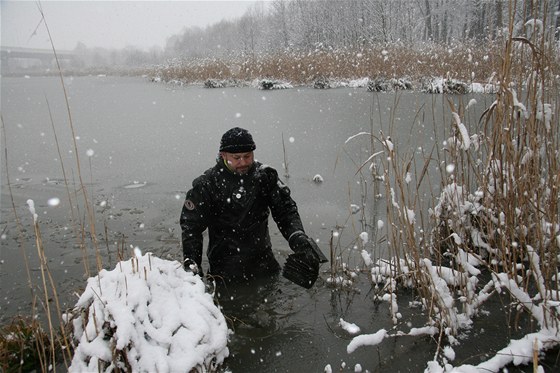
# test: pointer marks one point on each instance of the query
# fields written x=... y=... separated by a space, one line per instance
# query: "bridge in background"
x=17 y=59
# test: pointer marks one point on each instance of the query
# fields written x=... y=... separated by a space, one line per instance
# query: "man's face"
x=239 y=162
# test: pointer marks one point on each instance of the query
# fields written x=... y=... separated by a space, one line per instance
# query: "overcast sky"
x=109 y=24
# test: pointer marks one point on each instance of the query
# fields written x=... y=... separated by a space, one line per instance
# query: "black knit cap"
x=237 y=140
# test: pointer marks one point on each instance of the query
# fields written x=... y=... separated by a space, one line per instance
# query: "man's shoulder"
x=261 y=167
x=267 y=175
x=206 y=177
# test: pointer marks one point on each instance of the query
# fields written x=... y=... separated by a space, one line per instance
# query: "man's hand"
x=302 y=267
x=191 y=266
x=302 y=244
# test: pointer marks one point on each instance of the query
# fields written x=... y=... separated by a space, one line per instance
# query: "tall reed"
x=493 y=224
x=49 y=346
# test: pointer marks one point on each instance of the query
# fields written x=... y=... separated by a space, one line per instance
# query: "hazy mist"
x=108 y=24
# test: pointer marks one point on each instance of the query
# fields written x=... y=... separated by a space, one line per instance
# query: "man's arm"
x=193 y=222
x=285 y=214
x=302 y=267
x=283 y=208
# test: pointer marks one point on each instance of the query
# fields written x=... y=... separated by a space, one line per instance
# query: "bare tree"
x=279 y=22
x=557 y=23
x=306 y=25
x=428 y=19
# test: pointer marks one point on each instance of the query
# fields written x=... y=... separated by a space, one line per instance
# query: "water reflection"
x=272 y=321
x=249 y=306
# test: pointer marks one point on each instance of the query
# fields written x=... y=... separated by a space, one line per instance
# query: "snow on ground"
x=157 y=316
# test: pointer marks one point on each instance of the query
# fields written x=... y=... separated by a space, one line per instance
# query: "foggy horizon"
x=143 y=25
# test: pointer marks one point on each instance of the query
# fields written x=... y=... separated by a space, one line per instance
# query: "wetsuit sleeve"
x=282 y=206
x=193 y=221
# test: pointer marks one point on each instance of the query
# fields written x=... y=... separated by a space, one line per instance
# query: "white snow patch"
x=364 y=237
x=366 y=340
x=349 y=327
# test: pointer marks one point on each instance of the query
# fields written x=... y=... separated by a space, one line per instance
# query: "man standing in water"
x=233 y=201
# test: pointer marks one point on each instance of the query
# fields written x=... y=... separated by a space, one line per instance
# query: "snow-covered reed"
x=147 y=315
x=491 y=230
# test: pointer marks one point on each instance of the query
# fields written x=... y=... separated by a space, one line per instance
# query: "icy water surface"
x=140 y=144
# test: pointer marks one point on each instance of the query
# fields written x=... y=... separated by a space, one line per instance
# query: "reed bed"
x=492 y=226
x=305 y=67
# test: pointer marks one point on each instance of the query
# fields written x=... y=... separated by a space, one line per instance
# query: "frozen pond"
x=140 y=145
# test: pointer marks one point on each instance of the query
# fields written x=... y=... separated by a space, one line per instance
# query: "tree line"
x=306 y=25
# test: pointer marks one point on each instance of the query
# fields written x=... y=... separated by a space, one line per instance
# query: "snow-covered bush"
x=444 y=85
x=147 y=315
x=268 y=84
x=321 y=83
x=215 y=83
x=388 y=85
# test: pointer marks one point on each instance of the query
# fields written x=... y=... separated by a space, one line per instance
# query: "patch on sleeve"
x=189 y=204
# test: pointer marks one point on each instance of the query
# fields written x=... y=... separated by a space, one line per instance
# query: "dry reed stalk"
x=517 y=184
x=14 y=209
x=88 y=207
x=34 y=327
x=48 y=284
x=44 y=273
x=286 y=172
x=519 y=176
x=76 y=222
x=22 y=345
x=43 y=268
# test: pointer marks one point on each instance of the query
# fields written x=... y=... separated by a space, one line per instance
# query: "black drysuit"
x=235 y=209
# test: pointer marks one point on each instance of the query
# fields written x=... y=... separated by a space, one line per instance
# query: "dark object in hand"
x=301 y=243
x=300 y=270
x=302 y=267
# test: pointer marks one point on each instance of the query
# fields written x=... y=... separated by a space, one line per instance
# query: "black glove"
x=300 y=271
x=301 y=243
x=302 y=267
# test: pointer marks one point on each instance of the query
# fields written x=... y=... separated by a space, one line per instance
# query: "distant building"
x=16 y=60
